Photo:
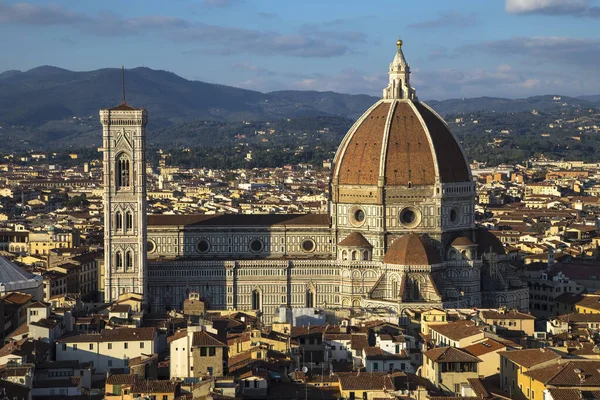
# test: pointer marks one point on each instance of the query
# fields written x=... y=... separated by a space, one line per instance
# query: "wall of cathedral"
x=239 y=242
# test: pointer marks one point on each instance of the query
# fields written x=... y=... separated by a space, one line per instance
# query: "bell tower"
x=124 y=162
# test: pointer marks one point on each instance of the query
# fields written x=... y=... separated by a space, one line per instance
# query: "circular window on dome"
x=357 y=216
x=256 y=245
x=150 y=246
x=455 y=215
x=410 y=217
x=202 y=246
x=308 y=245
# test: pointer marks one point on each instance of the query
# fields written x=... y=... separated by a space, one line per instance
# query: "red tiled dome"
x=412 y=250
x=402 y=141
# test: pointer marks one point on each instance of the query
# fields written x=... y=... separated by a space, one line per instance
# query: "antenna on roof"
x=123 y=82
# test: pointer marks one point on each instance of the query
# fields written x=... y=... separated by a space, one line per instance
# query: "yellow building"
x=590 y=304
x=247 y=340
x=435 y=316
x=514 y=364
x=512 y=320
x=448 y=368
x=456 y=334
x=565 y=374
x=488 y=352
x=129 y=387
x=43 y=242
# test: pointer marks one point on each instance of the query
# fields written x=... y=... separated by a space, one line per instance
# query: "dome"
x=412 y=250
x=355 y=239
x=487 y=242
x=463 y=241
x=400 y=142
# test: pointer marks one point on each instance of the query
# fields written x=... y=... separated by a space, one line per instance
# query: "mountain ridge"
x=55 y=104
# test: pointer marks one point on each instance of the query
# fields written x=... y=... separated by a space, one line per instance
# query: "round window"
x=455 y=215
x=410 y=217
x=202 y=246
x=357 y=216
x=150 y=246
x=308 y=245
x=256 y=245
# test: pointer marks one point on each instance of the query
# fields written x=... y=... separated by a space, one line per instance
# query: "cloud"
x=447 y=19
x=207 y=38
x=31 y=14
x=580 y=8
x=581 y=52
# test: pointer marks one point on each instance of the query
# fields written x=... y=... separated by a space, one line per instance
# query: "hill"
x=52 y=107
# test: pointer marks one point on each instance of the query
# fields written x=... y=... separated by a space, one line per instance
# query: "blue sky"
x=458 y=48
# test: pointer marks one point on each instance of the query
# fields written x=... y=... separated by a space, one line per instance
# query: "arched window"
x=128 y=221
x=118 y=220
x=354 y=255
x=344 y=255
x=366 y=255
x=310 y=298
x=256 y=299
x=123 y=171
x=394 y=289
x=129 y=259
x=118 y=260
x=416 y=290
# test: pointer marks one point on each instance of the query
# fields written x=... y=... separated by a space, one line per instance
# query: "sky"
x=456 y=48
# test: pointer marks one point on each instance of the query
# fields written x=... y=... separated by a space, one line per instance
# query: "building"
x=448 y=368
x=108 y=349
x=400 y=232
x=194 y=352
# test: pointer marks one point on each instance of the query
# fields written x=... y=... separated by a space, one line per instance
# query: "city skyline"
x=511 y=48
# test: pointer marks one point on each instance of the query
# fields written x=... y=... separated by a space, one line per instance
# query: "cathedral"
x=400 y=232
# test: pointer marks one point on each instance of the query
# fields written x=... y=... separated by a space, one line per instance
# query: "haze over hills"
x=59 y=107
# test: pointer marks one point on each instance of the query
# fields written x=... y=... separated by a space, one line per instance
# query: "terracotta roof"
x=512 y=314
x=590 y=301
x=205 y=339
x=451 y=162
x=360 y=162
x=572 y=373
x=450 y=354
x=17 y=298
x=457 y=330
x=462 y=241
x=155 y=387
x=414 y=139
x=485 y=347
x=121 y=379
x=355 y=239
x=530 y=357
x=112 y=335
x=124 y=107
x=177 y=335
x=365 y=381
x=359 y=342
x=573 y=394
x=412 y=249
x=240 y=220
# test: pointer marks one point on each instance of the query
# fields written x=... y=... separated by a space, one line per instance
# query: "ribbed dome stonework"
x=412 y=249
x=400 y=143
